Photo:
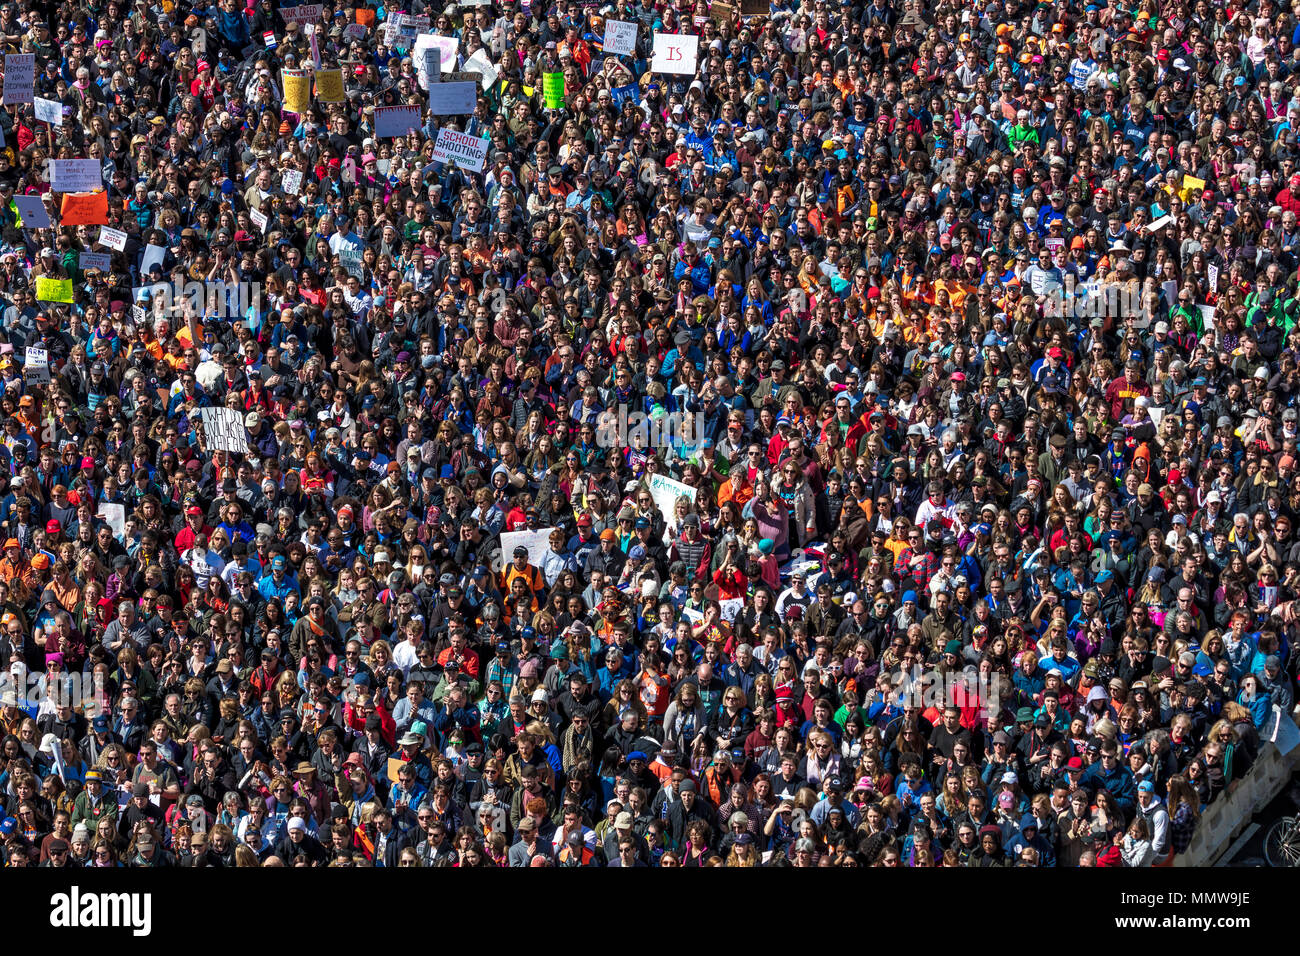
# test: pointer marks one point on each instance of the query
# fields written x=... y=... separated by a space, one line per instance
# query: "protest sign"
x=329 y=86
x=452 y=99
x=94 y=260
x=537 y=542
x=75 y=175
x=20 y=78
x=49 y=111
x=466 y=151
x=675 y=53
x=302 y=13
x=553 y=90
x=665 y=491
x=115 y=239
x=224 y=429
x=53 y=290
x=36 y=366
x=297 y=90
x=620 y=37
x=33 y=211
x=393 y=121
x=84 y=209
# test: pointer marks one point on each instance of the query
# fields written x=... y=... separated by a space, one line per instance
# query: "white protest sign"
x=665 y=491
x=479 y=63
x=447 y=48
x=36 y=366
x=1212 y=276
x=537 y=542
x=303 y=13
x=731 y=608
x=114 y=516
x=95 y=260
x=49 y=111
x=430 y=67
x=20 y=78
x=355 y=31
x=115 y=239
x=33 y=211
x=76 y=175
x=466 y=151
x=291 y=180
x=153 y=256
x=620 y=37
x=452 y=99
x=260 y=219
x=393 y=121
x=675 y=53
x=224 y=429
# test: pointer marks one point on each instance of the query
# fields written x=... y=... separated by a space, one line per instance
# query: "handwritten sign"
x=114 y=515
x=553 y=90
x=302 y=13
x=84 y=209
x=259 y=219
x=36 y=366
x=49 y=111
x=675 y=53
x=620 y=37
x=466 y=151
x=480 y=64
x=393 y=121
x=291 y=180
x=430 y=68
x=20 y=78
x=665 y=491
x=53 y=290
x=76 y=175
x=224 y=429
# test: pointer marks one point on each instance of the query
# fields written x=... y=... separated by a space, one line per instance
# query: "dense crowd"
x=876 y=447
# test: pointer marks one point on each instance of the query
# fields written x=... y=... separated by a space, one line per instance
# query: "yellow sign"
x=53 y=290
x=329 y=86
x=297 y=90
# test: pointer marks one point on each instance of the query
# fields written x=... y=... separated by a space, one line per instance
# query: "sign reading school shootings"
x=466 y=151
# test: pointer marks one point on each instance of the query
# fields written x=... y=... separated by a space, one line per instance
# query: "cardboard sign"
x=20 y=78
x=49 y=111
x=224 y=429
x=33 y=212
x=53 y=290
x=85 y=209
x=466 y=151
x=329 y=86
x=76 y=175
x=297 y=90
x=620 y=38
x=721 y=12
x=675 y=53
x=452 y=99
x=115 y=239
x=393 y=121
x=754 y=8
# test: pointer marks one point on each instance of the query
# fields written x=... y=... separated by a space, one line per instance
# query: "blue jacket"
x=1046 y=857
x=1118 y=781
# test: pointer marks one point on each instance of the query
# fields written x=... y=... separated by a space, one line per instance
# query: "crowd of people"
x=874 y=447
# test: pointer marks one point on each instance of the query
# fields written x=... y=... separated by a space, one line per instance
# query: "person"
x=821 y=418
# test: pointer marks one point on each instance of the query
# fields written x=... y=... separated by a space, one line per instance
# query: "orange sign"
x=85 y=209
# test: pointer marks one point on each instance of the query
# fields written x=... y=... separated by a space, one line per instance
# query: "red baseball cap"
x=53 y=527
x=194 y=510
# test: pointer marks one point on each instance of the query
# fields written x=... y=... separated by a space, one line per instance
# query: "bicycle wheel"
x=1282 y=843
